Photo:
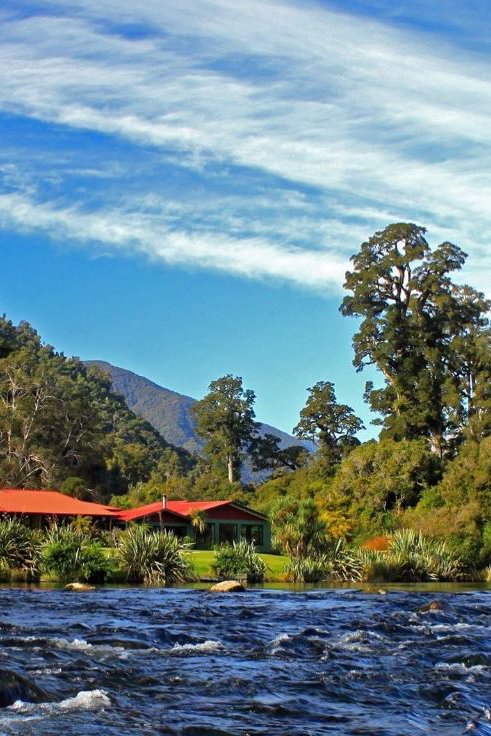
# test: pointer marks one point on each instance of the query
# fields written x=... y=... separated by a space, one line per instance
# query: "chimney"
x=164 y=501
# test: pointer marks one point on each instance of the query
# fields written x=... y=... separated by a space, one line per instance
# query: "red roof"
x=180 y=509
x=149 y=509
x=187 y=507
x=49 y=503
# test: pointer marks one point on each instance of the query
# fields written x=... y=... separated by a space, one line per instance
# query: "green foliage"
x=344 y=561
x=153 y=558
x=339 y=562
x=468 y=477
x=60 y=424
x=431 y=498
x=76 y=488
x=198 y=521
x=377 y=481
x=330 y=425
x=19 y=548
x=266 y=454
x=86 y=527
x=225 y=420
x=298 y=529
x=421 y=331
x=468 y=548
x=412 y=557
x=239 y=560
x=309 y=569
x=69 y=554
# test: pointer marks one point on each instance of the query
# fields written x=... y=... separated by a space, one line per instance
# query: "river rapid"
x=118 y=662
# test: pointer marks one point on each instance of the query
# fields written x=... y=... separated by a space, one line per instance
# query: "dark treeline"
x=61 y=426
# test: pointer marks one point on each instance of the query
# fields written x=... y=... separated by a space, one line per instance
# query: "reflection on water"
x=268 y=661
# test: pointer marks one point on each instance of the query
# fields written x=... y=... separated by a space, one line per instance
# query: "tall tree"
x=267 y=454
x=332 y=426
x=417 y=327
x=59 y=419
x=225 y=420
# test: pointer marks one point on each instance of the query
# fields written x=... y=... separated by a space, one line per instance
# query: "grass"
x=203 y=561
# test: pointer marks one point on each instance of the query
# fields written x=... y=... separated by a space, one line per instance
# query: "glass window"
x=204 y=540
x=252 y=533
x=227 y=533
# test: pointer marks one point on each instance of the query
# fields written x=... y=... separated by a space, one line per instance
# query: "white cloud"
x=382 y=123
x=126 y=231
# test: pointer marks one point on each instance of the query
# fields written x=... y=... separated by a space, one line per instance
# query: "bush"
x=412 y=557
x=307 y=569
x=19 y=548
x=344 y=562
x=153 y=558
x=339 y=562
x=239 y=560
x=468 y=548
x=69 y=555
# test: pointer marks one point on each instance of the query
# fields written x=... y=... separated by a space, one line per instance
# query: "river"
x=184 y=662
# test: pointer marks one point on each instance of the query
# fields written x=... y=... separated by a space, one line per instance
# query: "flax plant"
x=19 y=549
x=153 y=557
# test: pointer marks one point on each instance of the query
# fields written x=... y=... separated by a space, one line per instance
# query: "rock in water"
x=79 y=586
x=227 y=586
x=15 y=687
x=433 y=606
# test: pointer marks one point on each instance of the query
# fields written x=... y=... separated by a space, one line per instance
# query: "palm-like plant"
x=198 y=521
x=19 y=547
x=412 y=557
x=153 y=558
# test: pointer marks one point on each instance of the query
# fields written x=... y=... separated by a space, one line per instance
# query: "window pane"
x=227 y=533
x=252 y=533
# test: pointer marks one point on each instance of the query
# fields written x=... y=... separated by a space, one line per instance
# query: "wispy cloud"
x=347 y=122
x=248 y=257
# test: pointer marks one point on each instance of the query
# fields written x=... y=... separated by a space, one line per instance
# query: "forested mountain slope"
x=167 y=411
x=59 y=420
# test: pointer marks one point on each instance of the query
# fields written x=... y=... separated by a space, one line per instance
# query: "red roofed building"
x=40 y=505
x=226 y=521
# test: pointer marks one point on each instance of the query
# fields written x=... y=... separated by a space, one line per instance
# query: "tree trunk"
x=231 y=469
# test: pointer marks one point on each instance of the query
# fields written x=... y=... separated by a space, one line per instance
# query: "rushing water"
x=163 y=661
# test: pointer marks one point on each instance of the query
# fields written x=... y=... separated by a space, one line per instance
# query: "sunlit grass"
x=203 y=562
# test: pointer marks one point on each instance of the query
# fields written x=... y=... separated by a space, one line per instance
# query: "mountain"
x=167 y=411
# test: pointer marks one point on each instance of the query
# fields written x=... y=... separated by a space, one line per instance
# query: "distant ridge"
x=168 y=411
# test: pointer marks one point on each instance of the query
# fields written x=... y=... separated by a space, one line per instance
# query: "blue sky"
x=182 y=183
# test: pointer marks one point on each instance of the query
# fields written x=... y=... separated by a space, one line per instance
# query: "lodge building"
x=219 y=521
x=224 y=521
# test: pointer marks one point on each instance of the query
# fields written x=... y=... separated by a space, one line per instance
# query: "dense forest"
x=429 y=469
x=62 y=427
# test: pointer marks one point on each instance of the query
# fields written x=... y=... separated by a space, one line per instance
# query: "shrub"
x=344 y=562
x=239 y=560
x=307 y=569
x=380 y=568
x=412 y=557
x=19 y=549
x=69 y=555
x=339 y=562
x=468 y=548
x=153 y=558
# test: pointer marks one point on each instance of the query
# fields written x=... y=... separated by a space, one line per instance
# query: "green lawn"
x=203 y=561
